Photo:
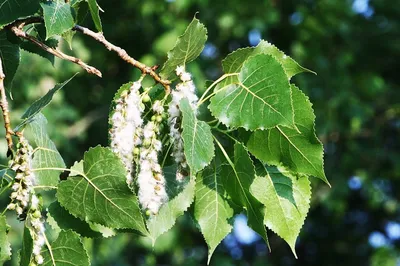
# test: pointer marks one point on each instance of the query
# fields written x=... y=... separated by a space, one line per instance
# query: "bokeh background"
x=353 y=45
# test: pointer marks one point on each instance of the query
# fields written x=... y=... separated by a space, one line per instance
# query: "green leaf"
x=10 y=57
x=94 y=11
x=299 y=151
x=180 y=198
x=66 y=250
x=7 y=177
x=25 y=253
x=100 y=193
x=58 y=17
x=67 y=221
x=259 y=99
x=187 y=48
x=11 y=10
x=5 y=246
x=40 y=104
x=68 y=36
x=235 y=60
x=46 y=158
x=291 y=67
x=281 y=216
x=212 y=211
x=197 y=139
x=237 y=180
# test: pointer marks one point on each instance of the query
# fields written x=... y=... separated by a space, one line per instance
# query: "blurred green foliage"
x=354 y=46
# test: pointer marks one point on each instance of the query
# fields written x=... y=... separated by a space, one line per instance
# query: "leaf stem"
x=50 y=250
x=6 y=112
x=212 y=94
x=202 y=98
x=225 y=153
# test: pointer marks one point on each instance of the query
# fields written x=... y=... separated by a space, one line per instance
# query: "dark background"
x=354 y=46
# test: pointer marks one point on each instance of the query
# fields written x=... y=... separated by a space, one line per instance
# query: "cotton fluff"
x=184 y=89
x=151 y=181
x=126 y=129
x=24 y=178
x=23 y=199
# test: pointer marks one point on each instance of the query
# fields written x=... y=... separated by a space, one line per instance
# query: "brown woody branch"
x=17 y=30
x=6 y=113
x=16 y=27
x=98 y=36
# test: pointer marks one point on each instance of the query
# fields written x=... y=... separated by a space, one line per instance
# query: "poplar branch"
x=98 y=36
x=22 y=34
x=6 y=113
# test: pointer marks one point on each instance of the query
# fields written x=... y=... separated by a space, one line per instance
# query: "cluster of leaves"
x=254 y=152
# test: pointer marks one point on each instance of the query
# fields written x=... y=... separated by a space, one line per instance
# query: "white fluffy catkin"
x=23 y=198
x=184 y=89
x=151 y=181
x=126 y=128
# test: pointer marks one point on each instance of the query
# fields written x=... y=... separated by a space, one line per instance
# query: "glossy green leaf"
x=10 y=58
x=235 y=60
x=237 y=180
x=11 y=10
x=187 y=48
x=66 y=250
x=95 y=12
x=67 y=221
x=5 y=246
x=281 y=216
x=300 y=151
x=197 y=139
x=58 y=17
x=283 y=184
x=46 y=158
x=180 y=198
x=40 y=104
x=212 y=211
x=291 y=67
x=259 y=99
x=100 y=193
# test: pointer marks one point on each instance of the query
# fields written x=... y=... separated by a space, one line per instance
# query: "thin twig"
x=17 y=30
x=98 y=36
x=6 y=113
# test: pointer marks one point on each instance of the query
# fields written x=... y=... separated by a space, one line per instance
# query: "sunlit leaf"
x=281 y=216
x=100 y=194
x=212 y=212
x=197 y=139
x=47 y=161
x=259 y=99
x=180 y=198
x=58 y=17
x=300 y=151
x=187 y=48
x=67 y=249
x=235 y=60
